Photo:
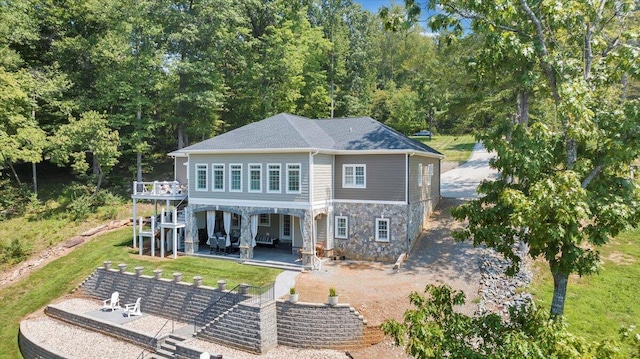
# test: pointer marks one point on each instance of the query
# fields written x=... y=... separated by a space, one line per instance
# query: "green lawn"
x=598 y=305
x=62 y=275
x=455 y=148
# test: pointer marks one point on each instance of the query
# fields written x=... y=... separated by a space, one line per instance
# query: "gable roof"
x=290 y=132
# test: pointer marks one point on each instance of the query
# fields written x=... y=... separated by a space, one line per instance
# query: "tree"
x=434 y=329
x=89 y=135
x=564 y=188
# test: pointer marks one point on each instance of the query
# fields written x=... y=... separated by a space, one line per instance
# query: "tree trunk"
x=96 y=165
x=522 y=115
x=35 y=178
x=139 y=155
x=15 y=174
x=560 y=281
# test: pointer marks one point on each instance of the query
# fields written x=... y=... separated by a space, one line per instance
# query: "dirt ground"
x=379 y=292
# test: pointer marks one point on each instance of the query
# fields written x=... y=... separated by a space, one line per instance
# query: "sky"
x=374 y=5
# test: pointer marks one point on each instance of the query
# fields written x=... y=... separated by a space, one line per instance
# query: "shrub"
x=13 y=253
x=80 y=208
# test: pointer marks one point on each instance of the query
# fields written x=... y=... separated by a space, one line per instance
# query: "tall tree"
x=564 y=188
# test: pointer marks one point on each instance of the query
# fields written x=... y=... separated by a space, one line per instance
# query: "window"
x=293 y=178
x=235 y=178
x=255 y=178
x=218 y=177
x=420 y=174
x=430 y=174
x=382 y=230
x=201 y=177
x=353 y=176
x=342 y=227
x=235 y=220
x=264 y=220
x=273 y=178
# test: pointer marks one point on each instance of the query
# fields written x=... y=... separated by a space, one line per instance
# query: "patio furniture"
x=133 y=308
x=222 y=244
x=267 y=240
x=112 y=303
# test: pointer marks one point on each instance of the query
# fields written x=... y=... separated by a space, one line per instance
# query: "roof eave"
x=319 y=150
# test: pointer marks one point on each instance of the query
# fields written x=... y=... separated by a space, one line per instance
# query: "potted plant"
x=293 y=295
x=333 y=297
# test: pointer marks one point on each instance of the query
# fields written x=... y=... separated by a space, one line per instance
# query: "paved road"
x=461 y=182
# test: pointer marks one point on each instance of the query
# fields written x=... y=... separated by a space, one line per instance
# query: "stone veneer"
x=419 y=212
x=361 y=244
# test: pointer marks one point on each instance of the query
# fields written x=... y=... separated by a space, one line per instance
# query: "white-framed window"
x=293 y=178
x=383 y=231
x=420 y=174
x=235 y=177
x=217 y=170
x=429 y=174
x=354 y=176
x=342 y=227
x=273 y=178
x=201 y=177
x=264 y=220
x=255 y=177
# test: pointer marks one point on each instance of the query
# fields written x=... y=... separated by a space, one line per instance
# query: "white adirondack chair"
x=133 y=308
x=112 y=303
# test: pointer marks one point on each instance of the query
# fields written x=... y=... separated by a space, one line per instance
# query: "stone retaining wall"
x=101 y=326
x=314 y=325
x=419 y=213
x=31 y=350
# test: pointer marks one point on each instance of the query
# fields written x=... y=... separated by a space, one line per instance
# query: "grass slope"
x=455 y=148
x=62 y=275
x=598 y=306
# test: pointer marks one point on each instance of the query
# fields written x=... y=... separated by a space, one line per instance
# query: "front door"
x=285 y=226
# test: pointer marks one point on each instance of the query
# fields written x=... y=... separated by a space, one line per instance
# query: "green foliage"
x=292 y=290
x=434 y=329
x=14 y=252
x=332 y=292
x=13 y=199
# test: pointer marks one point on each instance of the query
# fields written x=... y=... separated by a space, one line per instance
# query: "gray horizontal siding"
x=322 y=175
x=245 y=159
x=426 y=192
x=385 y=177
x=180 y=169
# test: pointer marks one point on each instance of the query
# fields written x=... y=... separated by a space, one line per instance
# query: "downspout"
x=406 y=196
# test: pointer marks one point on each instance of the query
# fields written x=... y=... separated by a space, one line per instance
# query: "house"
x=352 y=186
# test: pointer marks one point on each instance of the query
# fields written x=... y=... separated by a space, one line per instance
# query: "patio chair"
x=222 y=244
x=112 y=303
x=133 y=308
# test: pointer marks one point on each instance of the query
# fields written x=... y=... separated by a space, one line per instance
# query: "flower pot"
x=222 y=285
x=244 y=288
x=333 y=300
x=177 y=277
x=293 y=298
x=123 y=267
x=157 y=274
x=197 y=281
x=107 y=265
x=139 y=271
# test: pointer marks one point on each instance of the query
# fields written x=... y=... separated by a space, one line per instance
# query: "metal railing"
x=155 y=337
x=260 y=295
x=200 y=320
x=160 y=188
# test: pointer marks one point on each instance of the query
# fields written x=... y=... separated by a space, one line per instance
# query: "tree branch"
x=592 y=175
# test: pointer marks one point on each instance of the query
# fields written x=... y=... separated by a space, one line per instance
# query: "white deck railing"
x=160 y=188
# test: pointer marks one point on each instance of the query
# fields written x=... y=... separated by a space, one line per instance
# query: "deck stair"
x=167 y=348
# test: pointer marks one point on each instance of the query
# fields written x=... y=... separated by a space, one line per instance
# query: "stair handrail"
x=198 y=316
x=141 y=356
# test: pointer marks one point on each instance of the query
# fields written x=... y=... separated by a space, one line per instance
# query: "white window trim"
x=354 y=185
x=213 y=177
x=378 y=220
x=299 y=177
x=346 y=227
x=199 y=167
x=430 y=174
x=249 y=170
x=420 y=174
x=269 y=190
x=231 y=177
x=264 y=224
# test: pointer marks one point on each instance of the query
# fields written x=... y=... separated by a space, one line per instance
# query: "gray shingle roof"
x=294 y=132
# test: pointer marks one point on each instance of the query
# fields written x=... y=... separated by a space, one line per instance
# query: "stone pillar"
x=246 y=250
x=307 y=243
x=191 y=240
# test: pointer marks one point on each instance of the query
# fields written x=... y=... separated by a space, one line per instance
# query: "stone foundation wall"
x=361 y=244
x=419 y=213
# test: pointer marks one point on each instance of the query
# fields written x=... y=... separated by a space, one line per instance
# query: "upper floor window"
x=342 y=227
x=201 y=177
x=255 y=178
x=235 y=177
x=273 y=178
x=218 y=177
x=354 y=176
x=420 y=174
x=382 y=229
x=293 y=178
